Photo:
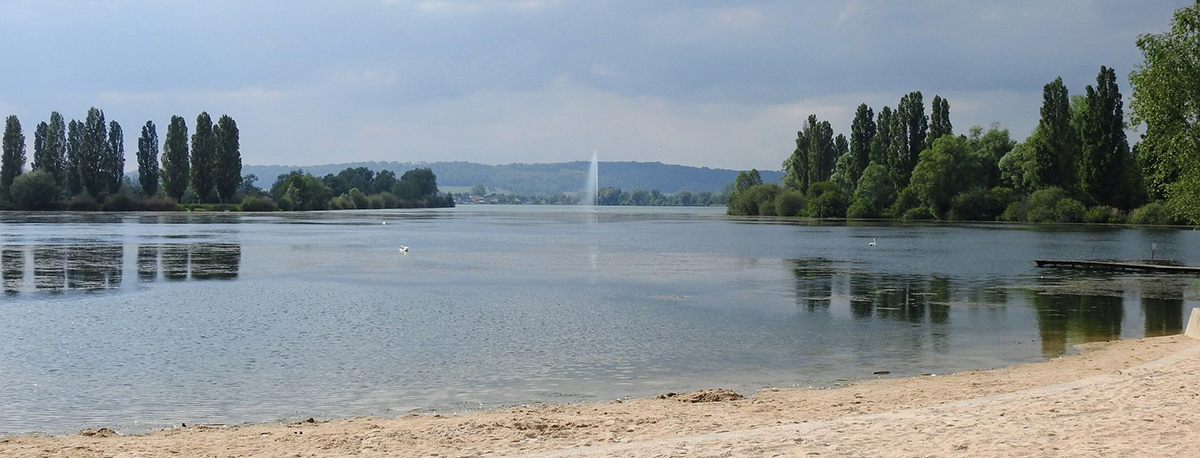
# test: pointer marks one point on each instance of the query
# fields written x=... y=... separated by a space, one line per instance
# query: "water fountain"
x=591 y=190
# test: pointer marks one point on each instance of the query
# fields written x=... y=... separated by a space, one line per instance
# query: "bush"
x=35 y=190
x=1041 y=207
x=1153 y=213
x=258 y=204
x=1069 y=210
x=1103 y=214
x=827 y=200
x=755 y=200
x=121 y=203
x=83 y=203
x=789 y=203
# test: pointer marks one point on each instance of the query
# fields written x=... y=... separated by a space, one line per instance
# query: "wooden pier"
x=1113 y=265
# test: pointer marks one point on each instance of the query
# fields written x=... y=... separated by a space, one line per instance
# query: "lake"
x=143 y=321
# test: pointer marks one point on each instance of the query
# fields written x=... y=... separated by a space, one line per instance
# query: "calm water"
x=145 y=321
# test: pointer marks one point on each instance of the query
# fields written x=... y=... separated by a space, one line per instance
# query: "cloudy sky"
x=705 y=83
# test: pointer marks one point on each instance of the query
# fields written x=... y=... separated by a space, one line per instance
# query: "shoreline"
x=1125 y=380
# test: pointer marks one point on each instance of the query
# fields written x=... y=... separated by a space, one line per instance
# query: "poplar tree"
x=93 y=152
x=204 y=152
x=881 y=144
x=862 y=135
x=939 y=120
x=39 y=145
x=147 y=156
x=175 y=161
x=13 y=158
x=1055 y=143
x=1104 y=150
x=228 y=174
x=114 y=161
x=795 y=167
x=53 y=159
x=822 y=154
x=74 y=157
x=915 y=127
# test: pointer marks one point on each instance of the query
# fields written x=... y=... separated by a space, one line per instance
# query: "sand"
x=1127 y=398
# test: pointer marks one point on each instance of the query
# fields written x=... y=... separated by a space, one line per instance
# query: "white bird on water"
x=872 y=242
x=403 y=248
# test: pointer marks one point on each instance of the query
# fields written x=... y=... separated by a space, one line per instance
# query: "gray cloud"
x=720 y=84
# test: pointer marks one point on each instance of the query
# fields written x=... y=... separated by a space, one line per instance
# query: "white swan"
x=403 y=248
x=872 y=242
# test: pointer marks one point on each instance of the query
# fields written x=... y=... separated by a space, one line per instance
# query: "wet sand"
x=1127 y=398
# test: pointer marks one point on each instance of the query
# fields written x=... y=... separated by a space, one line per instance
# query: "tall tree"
x=53 y=159
x=1166 y=97
x=204 y=152
x=74 y=158
x=39 y=144
x=915 y=126
x=795 y=167
x=881 y=144
x=822 y=154
x=229 y=159
x=147 y=156
x=1055 y=143
x=13 y=158
x=114 y=163
x=93 y=154
x=175 y=160
x=939 y=120
x=1104 y=149
x=862 y=134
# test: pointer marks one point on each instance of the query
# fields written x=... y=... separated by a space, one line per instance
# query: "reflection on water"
x=94 y=267
x=1071 y=308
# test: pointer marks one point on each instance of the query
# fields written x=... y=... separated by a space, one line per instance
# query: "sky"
x=722 y=84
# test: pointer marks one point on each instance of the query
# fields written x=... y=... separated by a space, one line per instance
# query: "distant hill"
x=533 y=179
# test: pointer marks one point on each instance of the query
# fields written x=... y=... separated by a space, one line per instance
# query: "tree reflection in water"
x=1068 y=310
x=94 y=267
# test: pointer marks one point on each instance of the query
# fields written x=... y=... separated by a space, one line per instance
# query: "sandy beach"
x=1126 y=398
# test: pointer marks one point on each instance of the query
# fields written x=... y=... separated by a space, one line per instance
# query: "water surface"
x=139 y=321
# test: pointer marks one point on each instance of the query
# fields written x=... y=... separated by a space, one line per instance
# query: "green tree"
x=301 y=191
x=942 y=172
x=822 y=151
x=1018 y=168
x=39 y=144
x=93 y=153
x=75 y=157
x=13 y=158
x=204 y=153
x=175 y=160
x=862 y=135
x=1104 y=150
x=148 y=159
x=747 y=179
x=881 y=144
x=795 y=167
x=915 y=127
x=385 y=180
x=987 y=149
x=51 y=158
x=1055 y=142
x=36 y=190
x=873 y=194
x=114 y=164
x=939 y=120
x=1166 y=98
x=229 y=159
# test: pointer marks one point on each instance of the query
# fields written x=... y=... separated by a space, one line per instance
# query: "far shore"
x=1136 y=397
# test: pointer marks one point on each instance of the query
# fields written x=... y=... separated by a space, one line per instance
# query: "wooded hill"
x=541 y=179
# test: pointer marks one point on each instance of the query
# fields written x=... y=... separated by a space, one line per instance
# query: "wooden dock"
x=1122 y=266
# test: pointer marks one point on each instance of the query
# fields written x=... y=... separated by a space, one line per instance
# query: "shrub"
x=1153 y=213
x=121 y=203
x=789 y=203
x=1069 y=210
x=83 y=203
x=1102 y=214
x=258 y=204
x=921 y=213
x=35 y=190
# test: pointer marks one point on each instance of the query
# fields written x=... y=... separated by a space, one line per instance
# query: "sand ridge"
x=1127 y=398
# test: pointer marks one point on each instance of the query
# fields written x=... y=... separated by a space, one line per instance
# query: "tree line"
x=1077 y=165
x=352 y=188
x=81 y=165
